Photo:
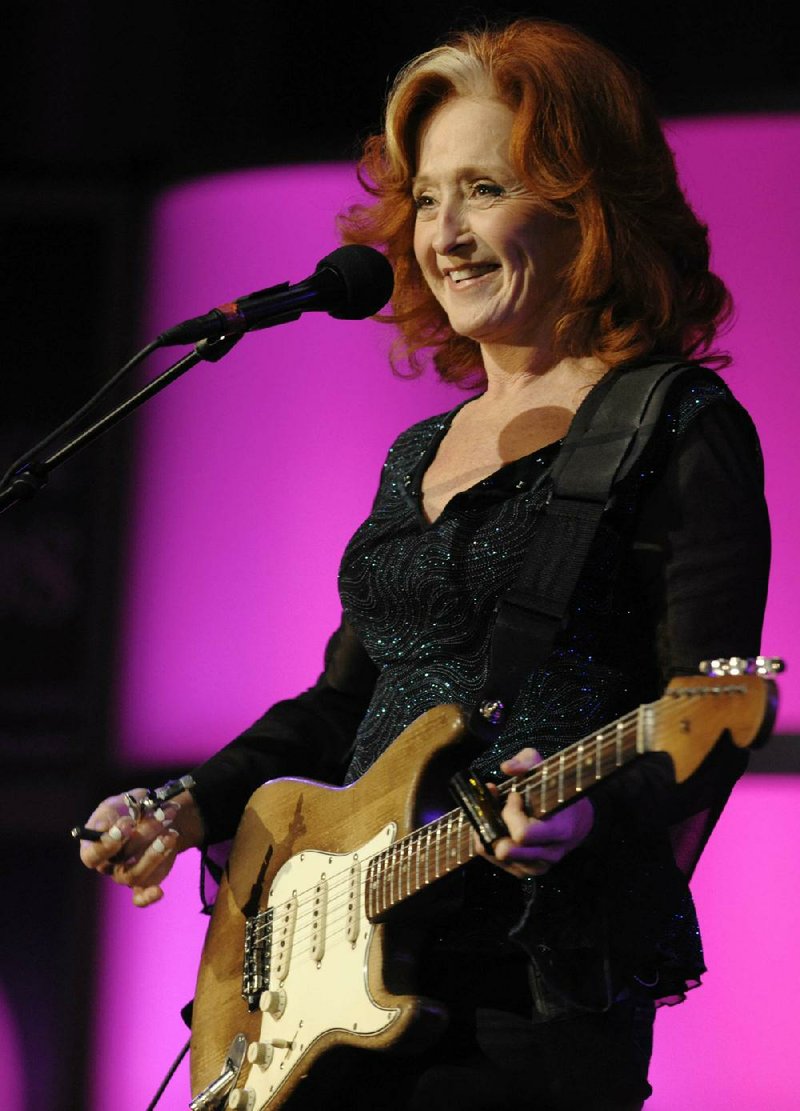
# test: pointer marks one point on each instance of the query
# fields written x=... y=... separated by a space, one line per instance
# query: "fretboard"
x=439 y=848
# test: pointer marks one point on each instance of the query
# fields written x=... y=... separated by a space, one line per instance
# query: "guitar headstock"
x=734 y=695
x=764 y=666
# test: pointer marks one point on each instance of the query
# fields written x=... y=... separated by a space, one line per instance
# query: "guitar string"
x=403 y=856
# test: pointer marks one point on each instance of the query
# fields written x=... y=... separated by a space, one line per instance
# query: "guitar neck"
x=446 y=844
x=686 y=723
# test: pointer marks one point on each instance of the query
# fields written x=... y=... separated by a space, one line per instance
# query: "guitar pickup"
x=480 y=807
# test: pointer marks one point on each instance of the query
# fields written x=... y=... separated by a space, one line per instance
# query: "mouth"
x=461 y=274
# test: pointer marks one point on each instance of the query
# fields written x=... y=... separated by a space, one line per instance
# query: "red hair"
x=586 y=140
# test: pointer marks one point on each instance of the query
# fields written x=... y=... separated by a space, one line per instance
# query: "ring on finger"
x=133 y=805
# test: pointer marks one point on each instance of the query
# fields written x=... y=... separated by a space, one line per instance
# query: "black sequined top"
x=677 y=573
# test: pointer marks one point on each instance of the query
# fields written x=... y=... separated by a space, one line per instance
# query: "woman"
x=527 y=199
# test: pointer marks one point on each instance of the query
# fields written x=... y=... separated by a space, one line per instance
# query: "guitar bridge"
x=257 y=954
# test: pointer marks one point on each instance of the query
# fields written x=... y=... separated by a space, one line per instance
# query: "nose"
x=452 y=226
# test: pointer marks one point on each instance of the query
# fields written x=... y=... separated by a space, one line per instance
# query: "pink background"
x=250 y=476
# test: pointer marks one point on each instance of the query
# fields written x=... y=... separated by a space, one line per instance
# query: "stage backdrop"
x=251 y=474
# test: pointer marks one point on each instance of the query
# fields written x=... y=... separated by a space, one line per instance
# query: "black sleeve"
x=310 y=735
x=701 y=560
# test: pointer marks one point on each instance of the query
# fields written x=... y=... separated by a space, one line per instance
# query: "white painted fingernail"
x=158 y=815
x=159 y=846
x=115 y=833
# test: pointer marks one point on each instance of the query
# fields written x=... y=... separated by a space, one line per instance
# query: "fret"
x=423 y=856
x=645 y=722
x=383 y=901
x=464 y=853
x=448 y=842
x=374 y=888
x=402 y=869
x=386 y=869
x=368 y=889
x=380 y=896
x=380 y=899
x=397 y=873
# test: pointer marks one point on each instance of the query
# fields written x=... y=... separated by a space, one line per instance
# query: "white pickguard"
x=325 y=975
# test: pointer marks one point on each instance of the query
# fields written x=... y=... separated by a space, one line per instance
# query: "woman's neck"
x=517 y=375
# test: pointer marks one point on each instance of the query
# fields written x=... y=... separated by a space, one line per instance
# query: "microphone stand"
x=34 y=475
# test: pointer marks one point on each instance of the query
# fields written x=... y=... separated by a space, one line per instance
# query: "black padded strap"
x=606 y=439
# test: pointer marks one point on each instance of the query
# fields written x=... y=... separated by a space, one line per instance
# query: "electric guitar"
x=299 y=957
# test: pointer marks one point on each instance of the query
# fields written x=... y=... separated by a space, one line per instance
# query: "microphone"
x=350 y=283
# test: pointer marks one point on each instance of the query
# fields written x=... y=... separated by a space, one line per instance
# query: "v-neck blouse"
x=516 y=474
x=677 y=573
x=421 y=595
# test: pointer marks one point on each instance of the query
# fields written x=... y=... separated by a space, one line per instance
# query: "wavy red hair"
x=586 y=140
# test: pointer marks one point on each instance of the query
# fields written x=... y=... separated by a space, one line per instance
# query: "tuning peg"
x=768 y=665
x=740 y=665
x=732 y=665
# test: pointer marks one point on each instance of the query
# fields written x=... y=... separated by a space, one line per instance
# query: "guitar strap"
x=606 y=439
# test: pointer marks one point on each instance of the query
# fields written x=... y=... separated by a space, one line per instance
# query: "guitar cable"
x=172 y=1070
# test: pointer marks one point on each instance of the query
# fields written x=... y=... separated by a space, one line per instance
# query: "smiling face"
x=491 y=254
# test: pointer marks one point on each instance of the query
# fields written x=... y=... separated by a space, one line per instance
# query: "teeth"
x=469 y=272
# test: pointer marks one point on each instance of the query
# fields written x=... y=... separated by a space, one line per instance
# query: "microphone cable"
x=31 y=454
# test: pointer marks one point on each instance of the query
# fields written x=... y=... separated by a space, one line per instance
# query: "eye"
x=424 y=204
x=487 y=190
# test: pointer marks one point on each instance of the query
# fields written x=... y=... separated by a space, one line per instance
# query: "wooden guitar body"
x=302 y=848
x=308 y=948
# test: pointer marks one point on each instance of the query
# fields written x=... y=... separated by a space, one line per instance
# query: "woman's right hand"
x=140 y=854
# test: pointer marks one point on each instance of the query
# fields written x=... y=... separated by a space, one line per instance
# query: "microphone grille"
x=365 y=281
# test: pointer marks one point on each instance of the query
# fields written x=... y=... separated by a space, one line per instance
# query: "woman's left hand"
x=535 y=845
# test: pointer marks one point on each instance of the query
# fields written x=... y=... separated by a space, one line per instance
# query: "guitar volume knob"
x=243 y=1099
x=260 y=1053
x=273 y=1002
